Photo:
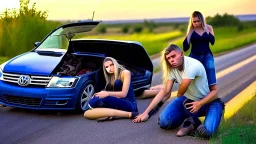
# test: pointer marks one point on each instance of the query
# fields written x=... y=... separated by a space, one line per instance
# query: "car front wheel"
x=85 y=96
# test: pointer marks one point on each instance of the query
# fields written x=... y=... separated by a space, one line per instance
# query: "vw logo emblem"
x=24 y=80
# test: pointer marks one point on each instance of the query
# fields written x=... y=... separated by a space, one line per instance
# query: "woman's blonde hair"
x=190 y=24
x=166 y=66
x=110 y=78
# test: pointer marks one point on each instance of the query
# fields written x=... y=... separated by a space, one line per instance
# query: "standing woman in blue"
x=118 y=98
x=200 y=36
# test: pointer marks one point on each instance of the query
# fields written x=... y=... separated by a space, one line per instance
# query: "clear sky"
x=135 y=9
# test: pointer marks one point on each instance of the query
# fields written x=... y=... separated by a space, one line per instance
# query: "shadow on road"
x=12 y=110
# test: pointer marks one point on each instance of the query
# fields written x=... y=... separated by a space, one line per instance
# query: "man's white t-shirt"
x=193 y=69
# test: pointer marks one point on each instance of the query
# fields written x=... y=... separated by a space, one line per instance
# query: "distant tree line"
x=216 y=21
x=224 y=21
x=132 y=28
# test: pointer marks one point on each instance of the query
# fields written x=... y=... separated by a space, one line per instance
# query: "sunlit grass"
x=139 y=36
x=241 y=128
x=21 y=28
x=227 y=39
x=3 y=59
x=20 y=34
x=233 y=42
x=152 y=42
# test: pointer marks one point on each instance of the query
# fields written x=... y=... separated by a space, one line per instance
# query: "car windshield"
x=59 y=39
x=56 y=41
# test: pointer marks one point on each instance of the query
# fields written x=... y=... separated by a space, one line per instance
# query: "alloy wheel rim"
x=87 y=95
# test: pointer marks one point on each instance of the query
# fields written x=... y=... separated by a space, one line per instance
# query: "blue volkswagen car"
x=63 y=72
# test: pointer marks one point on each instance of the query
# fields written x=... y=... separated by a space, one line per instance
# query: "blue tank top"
x=130 y=94
x=200 y=43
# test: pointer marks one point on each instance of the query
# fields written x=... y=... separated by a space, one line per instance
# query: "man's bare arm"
x=159 y=97
x=210 y=97
x=184 y=87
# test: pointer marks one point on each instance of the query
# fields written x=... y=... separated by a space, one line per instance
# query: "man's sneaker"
x=202 y=132
x=187 y=127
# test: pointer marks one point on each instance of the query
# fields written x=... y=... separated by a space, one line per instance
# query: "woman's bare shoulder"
x=209 y=26
x=125 y=73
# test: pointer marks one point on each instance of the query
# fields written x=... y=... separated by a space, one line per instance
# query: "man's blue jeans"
x=175 y=113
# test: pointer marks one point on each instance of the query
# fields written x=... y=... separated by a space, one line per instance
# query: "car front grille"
x=28 y=101
x=35 y=80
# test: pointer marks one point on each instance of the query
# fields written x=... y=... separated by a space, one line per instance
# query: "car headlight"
x=62 y=82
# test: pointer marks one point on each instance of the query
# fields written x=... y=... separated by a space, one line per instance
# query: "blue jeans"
x=175 y=113
x=114 y=102
x=208 y=62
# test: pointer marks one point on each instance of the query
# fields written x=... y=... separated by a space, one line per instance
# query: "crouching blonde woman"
x=118 y=98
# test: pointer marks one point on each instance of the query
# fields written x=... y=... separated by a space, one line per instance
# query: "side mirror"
x=36 y=44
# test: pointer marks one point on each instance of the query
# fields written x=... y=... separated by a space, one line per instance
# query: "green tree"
x=240 y=27
x=137 y=28
x=21 y=28
x=224 y=20
x=125 y=29
x=101 y=28
x=151 y=25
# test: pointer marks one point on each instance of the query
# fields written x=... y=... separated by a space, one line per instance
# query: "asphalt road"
x=26 y=126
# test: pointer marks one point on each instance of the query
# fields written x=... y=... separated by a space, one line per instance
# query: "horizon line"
x=155 y=19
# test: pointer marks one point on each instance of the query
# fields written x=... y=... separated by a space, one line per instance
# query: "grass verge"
x=152 y=42
x=241 y=128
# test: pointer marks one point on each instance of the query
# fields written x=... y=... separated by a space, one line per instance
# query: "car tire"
x=85 y=96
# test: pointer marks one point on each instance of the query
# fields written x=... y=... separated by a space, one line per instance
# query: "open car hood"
x=71 y=29
x=60 y=37
x=129 y=52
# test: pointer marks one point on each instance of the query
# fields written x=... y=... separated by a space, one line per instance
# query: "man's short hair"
x=172 y=47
